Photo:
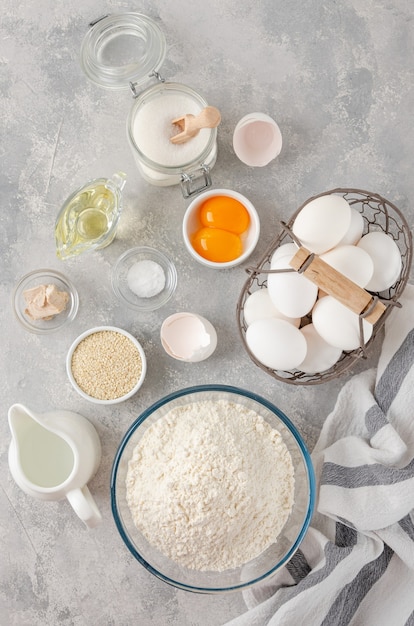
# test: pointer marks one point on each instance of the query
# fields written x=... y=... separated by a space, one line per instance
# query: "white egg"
x=188 y=337
x=338 y=325
x=258 y=306
x=287 y=249
x=355 y=230
x=291 y=293
x=320 y=356
x=386 y=257
x=322 y=223
x=276 y=343
x=352 y=262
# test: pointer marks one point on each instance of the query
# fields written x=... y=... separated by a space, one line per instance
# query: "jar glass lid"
x=121 y=49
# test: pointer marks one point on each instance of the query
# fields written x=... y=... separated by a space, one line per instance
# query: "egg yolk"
x=225 y=213
x=217 y=245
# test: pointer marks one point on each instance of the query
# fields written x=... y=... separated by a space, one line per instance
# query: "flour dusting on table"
x=211 y=485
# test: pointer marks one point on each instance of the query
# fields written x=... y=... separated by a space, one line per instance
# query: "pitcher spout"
x=41 y=461
x=20 y=417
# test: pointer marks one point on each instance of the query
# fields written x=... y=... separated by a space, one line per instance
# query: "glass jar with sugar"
x=123 y=51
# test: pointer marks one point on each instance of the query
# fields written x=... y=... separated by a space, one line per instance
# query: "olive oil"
x=89 y=217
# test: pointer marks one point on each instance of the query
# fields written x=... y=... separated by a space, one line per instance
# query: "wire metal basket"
x=379 y=215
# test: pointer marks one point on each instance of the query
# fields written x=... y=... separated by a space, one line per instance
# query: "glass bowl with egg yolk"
x=221 y=228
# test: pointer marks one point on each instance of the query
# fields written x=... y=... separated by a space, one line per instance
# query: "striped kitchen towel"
x=356 y=563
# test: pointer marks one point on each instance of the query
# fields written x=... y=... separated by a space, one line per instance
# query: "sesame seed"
x=106 y=365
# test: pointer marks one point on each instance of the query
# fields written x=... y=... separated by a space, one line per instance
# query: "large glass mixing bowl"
x=269 y=561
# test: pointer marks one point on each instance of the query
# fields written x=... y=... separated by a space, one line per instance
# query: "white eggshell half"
x=287 y=249
x=291 y=293
x=338 y=325
x=257 y=140
x=352 y=262
x=355 y=230
x=320 y=356
x=258 y=306
x=188 y=337
x=386 y=257
x=322 y=223
x=276 y=343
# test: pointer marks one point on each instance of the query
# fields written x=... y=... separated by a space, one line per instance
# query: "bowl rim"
x=91 y=331
x=47 y=273
x=301 y=445
x=157 y=301
x=255 y=226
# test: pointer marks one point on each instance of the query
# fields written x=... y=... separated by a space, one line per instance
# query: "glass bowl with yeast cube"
x=322 y=291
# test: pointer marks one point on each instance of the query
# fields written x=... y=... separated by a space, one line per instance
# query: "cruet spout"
x=118 y=179
x=89 y=218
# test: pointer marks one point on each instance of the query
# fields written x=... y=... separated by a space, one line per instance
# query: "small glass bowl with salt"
x=144 y=279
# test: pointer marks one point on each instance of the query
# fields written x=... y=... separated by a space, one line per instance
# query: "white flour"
x=210 y=485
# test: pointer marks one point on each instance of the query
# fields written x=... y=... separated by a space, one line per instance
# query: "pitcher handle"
x=84 y=505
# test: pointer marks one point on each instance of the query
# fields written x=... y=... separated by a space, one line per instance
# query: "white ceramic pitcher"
x=53 y=456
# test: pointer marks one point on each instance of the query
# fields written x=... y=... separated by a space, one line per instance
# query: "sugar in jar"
x=123 y=51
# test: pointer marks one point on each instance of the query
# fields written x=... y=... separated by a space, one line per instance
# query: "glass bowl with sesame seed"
x=106 y=365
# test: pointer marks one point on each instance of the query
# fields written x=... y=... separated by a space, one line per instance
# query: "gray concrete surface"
x=336 y=76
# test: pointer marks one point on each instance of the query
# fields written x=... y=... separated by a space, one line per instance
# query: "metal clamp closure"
x=158 y=76
x=190 y=183
x=133 y=86
x=98 y=20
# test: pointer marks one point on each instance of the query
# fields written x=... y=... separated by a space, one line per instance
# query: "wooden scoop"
x=190 y=124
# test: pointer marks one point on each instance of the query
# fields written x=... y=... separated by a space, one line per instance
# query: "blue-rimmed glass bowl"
x=254 y=571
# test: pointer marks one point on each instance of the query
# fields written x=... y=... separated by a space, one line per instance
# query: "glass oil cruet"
x=89 y=218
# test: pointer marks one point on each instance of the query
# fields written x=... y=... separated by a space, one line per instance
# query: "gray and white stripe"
x=355 y=566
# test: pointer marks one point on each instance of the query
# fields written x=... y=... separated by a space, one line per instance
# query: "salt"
x=146 y=278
